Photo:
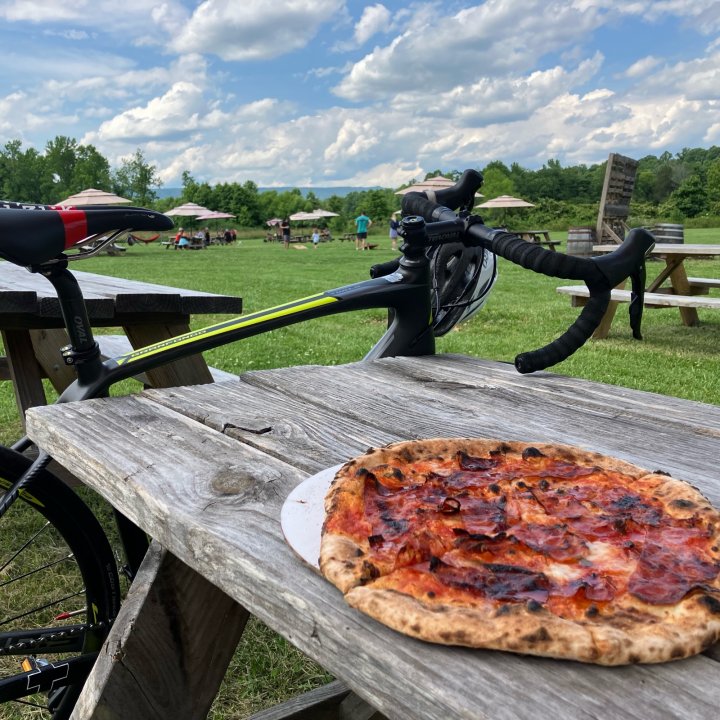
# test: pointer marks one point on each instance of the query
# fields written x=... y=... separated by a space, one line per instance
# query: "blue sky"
x=341 y=92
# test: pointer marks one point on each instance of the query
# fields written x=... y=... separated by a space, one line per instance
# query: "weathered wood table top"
x=205 y=471
x=29 y=300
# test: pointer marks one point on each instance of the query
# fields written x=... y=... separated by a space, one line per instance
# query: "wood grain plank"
x=26 y=293
x=173 y=615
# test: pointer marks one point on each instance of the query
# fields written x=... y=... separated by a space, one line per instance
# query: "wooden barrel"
x=581 y=240
x=668 y=233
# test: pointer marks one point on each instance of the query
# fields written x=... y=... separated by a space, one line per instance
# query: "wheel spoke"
x=43 y=607
x=25 y=546
x=37 y=570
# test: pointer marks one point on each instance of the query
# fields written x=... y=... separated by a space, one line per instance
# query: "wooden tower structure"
x=615 y=201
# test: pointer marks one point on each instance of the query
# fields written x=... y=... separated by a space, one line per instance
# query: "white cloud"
x=254 y=29
x=642 y=66
x=374 y=19
x=440 y=52
x=130 y=16
x=703 y=15
x=440 y=90
x=182 y=109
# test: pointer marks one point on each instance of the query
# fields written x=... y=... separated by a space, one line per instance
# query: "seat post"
x=83 y=351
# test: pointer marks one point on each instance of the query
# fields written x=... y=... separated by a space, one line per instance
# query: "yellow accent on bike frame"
x=243 y=321
x=24 y=494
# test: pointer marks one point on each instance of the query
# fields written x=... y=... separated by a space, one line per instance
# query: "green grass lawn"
x=523 y=312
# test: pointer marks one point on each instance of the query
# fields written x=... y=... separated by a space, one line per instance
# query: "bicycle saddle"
x=34 y=234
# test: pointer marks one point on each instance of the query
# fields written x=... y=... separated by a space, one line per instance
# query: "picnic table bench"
x=685 y=293
x=194 y=244
x=539 y=237
x=33 y=331
x=213 y=497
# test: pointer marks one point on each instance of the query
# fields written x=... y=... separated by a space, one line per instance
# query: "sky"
x=338 y=92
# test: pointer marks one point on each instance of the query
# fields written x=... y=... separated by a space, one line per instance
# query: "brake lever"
x=637 y=299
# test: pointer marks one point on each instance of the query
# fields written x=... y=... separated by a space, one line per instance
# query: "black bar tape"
x=386 y=268
x=417 y=204
x=573 y=338
x=537 y=258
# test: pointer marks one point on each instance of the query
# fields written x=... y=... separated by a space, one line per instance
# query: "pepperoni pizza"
x=541 y=549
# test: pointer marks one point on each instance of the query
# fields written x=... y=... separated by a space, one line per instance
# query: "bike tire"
x=51 y=542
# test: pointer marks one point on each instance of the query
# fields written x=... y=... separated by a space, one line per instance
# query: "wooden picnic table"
x=539 y=237
x=686 y=293
x=226 y=456
x=32 y=327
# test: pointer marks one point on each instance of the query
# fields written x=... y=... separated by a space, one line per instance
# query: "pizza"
x=542 y=549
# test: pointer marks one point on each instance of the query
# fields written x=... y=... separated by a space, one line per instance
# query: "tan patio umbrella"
x=505 y=201
x=298 y=216
x=188 y=210
x=91 y=196
x=324 y=213
x=215 y=215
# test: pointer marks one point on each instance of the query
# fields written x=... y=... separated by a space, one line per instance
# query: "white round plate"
x=303 y=513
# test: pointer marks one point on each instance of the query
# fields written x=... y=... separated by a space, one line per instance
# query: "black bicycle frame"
x=405 y=293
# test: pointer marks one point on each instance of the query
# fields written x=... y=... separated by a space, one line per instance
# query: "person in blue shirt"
x=394 y=227
x=362 y=223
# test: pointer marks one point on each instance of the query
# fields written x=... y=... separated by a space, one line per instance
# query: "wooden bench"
x=114 y=345
x=193 y=245
x=703 y=285
x=551 y=244
x=579 y=295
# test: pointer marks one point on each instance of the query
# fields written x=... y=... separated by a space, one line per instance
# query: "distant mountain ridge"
x=322 y=193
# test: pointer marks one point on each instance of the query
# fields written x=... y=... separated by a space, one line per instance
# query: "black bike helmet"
x=462 y=278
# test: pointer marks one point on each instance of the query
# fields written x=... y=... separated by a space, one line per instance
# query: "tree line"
x=668 y=187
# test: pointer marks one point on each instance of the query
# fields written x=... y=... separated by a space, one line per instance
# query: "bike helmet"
x=462 y=278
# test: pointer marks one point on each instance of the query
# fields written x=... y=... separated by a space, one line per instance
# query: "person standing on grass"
x=285 y=231
x=394 y=226
x=362 y=223
x=315 y=238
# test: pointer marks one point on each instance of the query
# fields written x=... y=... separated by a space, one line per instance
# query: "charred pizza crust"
x=627 y=629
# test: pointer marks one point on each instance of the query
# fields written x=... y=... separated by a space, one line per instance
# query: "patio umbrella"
x=214 y=215
x=324 y=213
x=505 y=201
x=91 y=196
x=298 y=216
x=188 y=210
x=274 y=221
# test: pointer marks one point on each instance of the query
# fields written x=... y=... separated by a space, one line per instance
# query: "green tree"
x=92 y=170
x=713 y=186
x=24 y=175
x=691 y=197
x=664 y=183
x=189 y=187
x=135 y=179
x=61 y=158
x=497 y=180
x=644 y=188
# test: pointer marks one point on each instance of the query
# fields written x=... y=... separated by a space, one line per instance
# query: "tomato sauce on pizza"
x=473 y=542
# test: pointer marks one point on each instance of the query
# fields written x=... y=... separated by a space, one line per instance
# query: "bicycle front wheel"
x=59 y=594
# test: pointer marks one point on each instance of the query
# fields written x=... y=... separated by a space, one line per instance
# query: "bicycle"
x=446 y=269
